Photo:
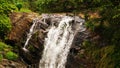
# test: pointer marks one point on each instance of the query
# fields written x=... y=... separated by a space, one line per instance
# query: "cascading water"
x=59 y=40
x=58 y=43
x=31 y=31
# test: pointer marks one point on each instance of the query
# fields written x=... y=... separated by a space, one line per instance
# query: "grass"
x=23 y=10
x=11 y=55
x=6 y=51
x=103 y=57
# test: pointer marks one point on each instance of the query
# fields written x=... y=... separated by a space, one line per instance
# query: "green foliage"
x=5 y=25
x=89 y=24
x=5 y=7
x=6 y=52
x=43 y=5
x=19 y=6
x=1 y=57
x=4 y=47
x=32 y=5
x=22 y=5
x=71 y=5
x=11 y=55
x=103 y=57
x=86 y=44
x=59 y=5
x=24 y=10
x=31 y=48
x=107 y=56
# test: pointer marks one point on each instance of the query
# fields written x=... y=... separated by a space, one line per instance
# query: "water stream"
x=58 y=41
x=31 y=31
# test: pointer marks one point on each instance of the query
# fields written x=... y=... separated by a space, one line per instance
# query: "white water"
x=31 y=31
x=58 y=43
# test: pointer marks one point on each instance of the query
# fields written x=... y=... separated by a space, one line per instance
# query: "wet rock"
x=11 y=64
x=21 y=23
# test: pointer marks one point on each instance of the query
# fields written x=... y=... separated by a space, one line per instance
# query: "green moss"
x=6 y=52
x=1 y=57
x=89 y=24
x=19 y=6
x=106 y=60
x=86 y=44
x=102 y=57
x=5 y=25
x=31 y=48
x=25 y=10
x=11 y=55
x=4 y=47
x=105 y=57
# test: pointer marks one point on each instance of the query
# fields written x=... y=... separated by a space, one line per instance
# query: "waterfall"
x=31 y=31
x=59 y=38
x=58 y=42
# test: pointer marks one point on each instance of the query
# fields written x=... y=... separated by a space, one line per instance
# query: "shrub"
x=59 y=5
x=5 y=7
x=11 y=55
x=90 y=25
x=19 y=6
x=3 y=47
x=6 y=52
x=5 y=25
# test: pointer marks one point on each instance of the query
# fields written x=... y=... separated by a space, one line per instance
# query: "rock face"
x=11 y=64
x=21 y=23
